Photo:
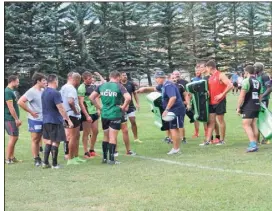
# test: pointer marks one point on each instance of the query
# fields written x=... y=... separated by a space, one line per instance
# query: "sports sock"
x=47 y=151
x=66 y=147
x=55 y=151
x=217 y=136
x=91 y=150
x=212 y=137
x=105 y=149
x=111 y=151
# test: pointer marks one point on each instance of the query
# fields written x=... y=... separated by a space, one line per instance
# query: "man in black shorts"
x=112 y=94
x=11 y=118
x=89 y=114
x=71 y=105
x=131 y=109
x=53 y=114
x=185 y=96
x=249 y=106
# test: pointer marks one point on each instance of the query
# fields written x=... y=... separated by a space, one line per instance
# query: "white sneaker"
x=173 y=151
x=116 y=154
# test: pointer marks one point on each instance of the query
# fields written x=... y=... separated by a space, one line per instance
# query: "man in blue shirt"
x=171 y=102
x=234 y=81
x=53 y=114
x=198 y=70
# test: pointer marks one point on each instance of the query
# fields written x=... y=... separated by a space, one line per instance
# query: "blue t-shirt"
x=196 y=79
x=234 y=78
x=168 y=90
x=51 y=98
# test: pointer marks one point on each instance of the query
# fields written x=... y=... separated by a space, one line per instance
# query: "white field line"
x=203 y=167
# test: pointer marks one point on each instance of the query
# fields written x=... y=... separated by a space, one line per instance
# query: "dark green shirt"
x=10 y=96
x=111 y=94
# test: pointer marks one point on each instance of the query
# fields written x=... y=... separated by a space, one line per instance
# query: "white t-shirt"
x=240 y=80
x=69 y=91
x=34 y=103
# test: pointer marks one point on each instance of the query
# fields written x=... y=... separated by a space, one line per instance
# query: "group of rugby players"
x=55 y=116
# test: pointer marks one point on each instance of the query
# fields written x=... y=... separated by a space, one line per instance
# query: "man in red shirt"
x=219 y=86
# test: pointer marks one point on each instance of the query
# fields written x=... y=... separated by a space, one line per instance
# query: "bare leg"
x=222 y=125
x=124 y=129
x=11 y=147
x=175 y=133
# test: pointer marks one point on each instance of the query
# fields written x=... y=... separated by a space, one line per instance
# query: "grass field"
x=199 y=178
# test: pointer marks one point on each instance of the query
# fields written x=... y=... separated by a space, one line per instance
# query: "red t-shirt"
x=216 y=87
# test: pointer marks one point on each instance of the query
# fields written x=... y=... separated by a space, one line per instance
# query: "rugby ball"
x=169 y=117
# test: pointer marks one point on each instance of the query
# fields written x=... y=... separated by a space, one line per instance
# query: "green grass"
x=139 y=184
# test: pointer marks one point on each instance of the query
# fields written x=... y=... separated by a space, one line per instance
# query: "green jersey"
x=263 y=79
x=10 y=96
x=111 y=94
x=85 y=91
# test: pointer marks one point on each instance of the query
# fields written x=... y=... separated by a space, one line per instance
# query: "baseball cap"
x=160 y=74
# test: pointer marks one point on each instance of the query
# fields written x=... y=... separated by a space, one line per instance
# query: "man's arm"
x=64 y=114
x=146 y=89
x=12 y=110
x=171 y=102
x=93 y=98
x=100 y=77
x=82 y=106
x=71 y=102
x=127 y=98
x=241 y=100
x=267 y=92
x=136 y=97
x=227 y=82
x=22 y=103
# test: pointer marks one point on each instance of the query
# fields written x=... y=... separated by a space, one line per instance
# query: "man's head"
x=76 y=79
x=115 y=76
x=173 y=78
x=176 y=73
x=200 y=68
x=87 y=78
x=13 y=81
x=124 y=77
x=259 y=67
x=249 y=70
x=69 y=76
x=39 y=79
x=160 y=77
x=53 y=81
x=211 y=66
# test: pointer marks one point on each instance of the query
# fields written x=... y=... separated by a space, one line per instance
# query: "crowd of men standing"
x=59 y=116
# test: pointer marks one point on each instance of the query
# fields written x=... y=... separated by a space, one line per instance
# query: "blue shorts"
x=35 y=126
x=178 y=122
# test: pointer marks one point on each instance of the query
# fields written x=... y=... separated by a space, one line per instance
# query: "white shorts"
x=131 y=114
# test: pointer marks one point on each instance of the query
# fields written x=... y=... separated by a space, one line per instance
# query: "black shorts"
x=54 y=132
x=75 y=120
x=266 y=103
x=93 y=116
x=235 y=84
x=124 y=118
x=11 y=128
x=219 y=108
x=131 y=109
x=111 y=123
x=249 y=114
x=176 y=123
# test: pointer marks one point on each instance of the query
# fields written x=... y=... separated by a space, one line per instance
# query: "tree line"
x=136 y=37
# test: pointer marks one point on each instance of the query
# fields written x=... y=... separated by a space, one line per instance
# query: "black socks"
x=55 y=151
x=105 y=149
x=47 y=151
x=112 y=151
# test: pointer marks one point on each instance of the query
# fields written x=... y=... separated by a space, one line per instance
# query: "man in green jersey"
x=89 y=114
x=11 y=118
x=111 y=94
x=249 y=106
x=263 y=78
